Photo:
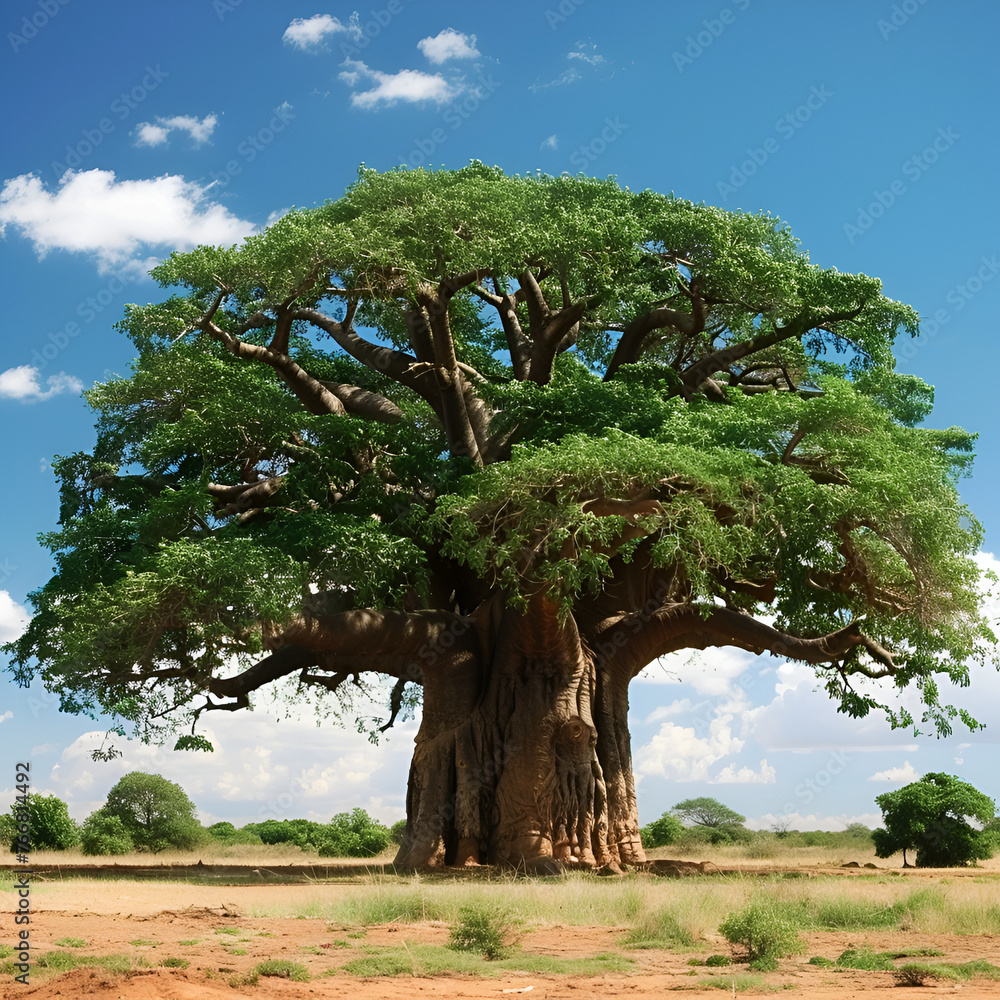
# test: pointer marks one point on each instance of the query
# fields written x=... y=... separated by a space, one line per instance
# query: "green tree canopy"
x=496 y=443
x=154 y=812
x=52 y=828
x=940 y=817
x=708 y=813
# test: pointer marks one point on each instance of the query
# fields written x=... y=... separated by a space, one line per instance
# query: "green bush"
x=665 y=830
x=282 y=969
x=303 y=833
x=763 y=933
x=488 y=932
x=353 y=835
x=104 y=834
x=50 y=826
x=397 y=831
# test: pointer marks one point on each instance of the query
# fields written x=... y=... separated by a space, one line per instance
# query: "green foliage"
x=104 y=833
x=226 y=833
x=763 y=933
x=486 y=930
x=354 y=835
x=724 y=825
x=865 y=958
x=397 y=831
x=155 y=812
x=304 y=833
x=937 y=816
x=662 y=831
x=659 y=929
x=164 y=575
x=51 y=828
x=282 y=969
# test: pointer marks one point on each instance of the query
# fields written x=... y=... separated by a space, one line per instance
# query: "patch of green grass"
x=190 y=941
x=6 y=950
x=391 y=908
x=739 y=983
x=660 y=929
x=65 y=961
x=855 y=914
x=144 y=943
x=282 y=969
x=175 y=963
x=823 y=963
x=70 y=942
x=915 y=953
x=718 y=960
x=487 y=932
x=235 y=931
x=247 y=979
x=431 y=960
x=865 y=958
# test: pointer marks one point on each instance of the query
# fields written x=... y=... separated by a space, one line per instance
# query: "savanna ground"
x=356 y=930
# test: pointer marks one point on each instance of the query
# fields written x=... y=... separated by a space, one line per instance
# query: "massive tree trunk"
x=523 y=751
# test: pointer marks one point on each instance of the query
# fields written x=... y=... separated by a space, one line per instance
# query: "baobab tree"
x=493 y=444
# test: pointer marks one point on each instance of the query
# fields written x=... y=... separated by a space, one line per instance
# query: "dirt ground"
x=208 y=926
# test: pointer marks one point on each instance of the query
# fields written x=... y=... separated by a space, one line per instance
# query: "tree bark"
x=522 y=753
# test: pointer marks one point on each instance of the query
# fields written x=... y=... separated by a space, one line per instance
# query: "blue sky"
x=133 y=129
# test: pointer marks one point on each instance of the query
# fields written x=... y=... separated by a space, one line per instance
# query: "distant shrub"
x=397 y=831
x=103 y=833
x=226 y=833
x=665 y=830
x=49 y=823
x=353 y=835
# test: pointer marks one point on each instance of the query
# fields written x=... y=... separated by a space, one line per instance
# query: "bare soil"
x=150 y=920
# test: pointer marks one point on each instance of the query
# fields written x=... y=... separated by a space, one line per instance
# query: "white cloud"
x=902 y=775
x=6 y=715
x=710 y=671
x=590 y=56
x=309 y=34
x=678 y=753
x=407 y=85
x=448 y=44
x=148 y=134
x=746 y=775
x=552 y=142
x=43 y=748
x=263 y=766
x=93 y=212
x=13 y=618
x=22 y=383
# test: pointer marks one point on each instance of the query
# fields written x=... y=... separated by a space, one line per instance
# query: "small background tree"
x=934 y=816
x=722 y=823
x=156 y=812
x=52 y=829
x=105 y=834
x=662 y=831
